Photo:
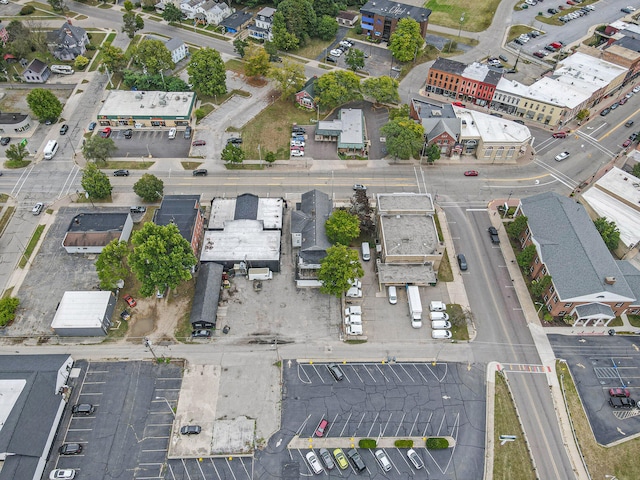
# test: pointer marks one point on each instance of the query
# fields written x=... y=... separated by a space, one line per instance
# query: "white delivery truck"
x=354 y=329
x=50 y=149
x=415 y=306
x=353 y=320
x=260 y=274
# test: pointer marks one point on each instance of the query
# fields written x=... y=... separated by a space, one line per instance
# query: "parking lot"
x=391 y=400
x=601 y=363
x=127 y=436
x=147 y=141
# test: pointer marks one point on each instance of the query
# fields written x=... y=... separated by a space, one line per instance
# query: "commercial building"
x=348 y=131
x=204 y=310
x=91 y=232
x=185 y=212
x=474 y=83
x=380 y=17
x=84 y=314
x=147 y=109
x=14 y=124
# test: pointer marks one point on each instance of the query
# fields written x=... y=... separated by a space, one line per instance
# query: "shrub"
x=403 y=443
x=8 y=307
x=200 y=113
x=27 y=10
x=367 y=443
x=91 y=47
x=437 y=443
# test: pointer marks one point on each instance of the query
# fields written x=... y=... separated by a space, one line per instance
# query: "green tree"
x=131 y=23
x=336 y=88
x=608 y=231
x=355 y=59
x=150 y=188
x=44 y=104
x=582 y=114
x=128 y=5
x=95 y=182
x=56 y=5
x=327 y=8
x=515 y=228
x=113 y=58
x=283 y=39
x=172 y=13
x=161 y=256
x=337 y=269
x=81 y=62
x=404 y=138
x=232 y=154
x=526 y=256
x=8 y=307
x=342 y=227
x=636 y=170
x=257 y=61
x=269 y=157
x=433 y=153
x=539 y=287
x=98 y=149
x=272 y=50
x=239 y=46
x=381 y=89
x=207 y=73
x=112 y=264
x=153 y=56
x=327 y=28
x=16 y=152
x=289 y=78
x=300 y=18
x=406 y=40
x=401 y=112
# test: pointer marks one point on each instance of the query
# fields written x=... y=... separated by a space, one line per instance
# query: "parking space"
x=599 y=364
x=146 y=141
x=127 y=436
x=236 y=468
x=390 y=400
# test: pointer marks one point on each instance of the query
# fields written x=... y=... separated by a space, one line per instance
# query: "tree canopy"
x=113 y=58
x=232 y=154
x=153 y=56
x=342 y=227
x=150 y=188
x=432 y=152
x=335 y=88
x=95 y=182
x=44 y=104
x=341 y=265
x=161 y=256
x=515 y=228
x=608 y=231
x=636 y=170
x=16 y=152
x=131 y=23
x=289 y=77
x=327 y=27
x=406 y=40
x=111 y=264
x=98 y=149
x=381 y=89
x=355 y=59
x=283 y=39
x=172 y=13
x=207 y=73
x=299 y=18
x=257 y=61
x=404 y=138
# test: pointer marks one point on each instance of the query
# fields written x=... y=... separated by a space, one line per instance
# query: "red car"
x=559 y=135
x=106 y=133
x=570 y=2
x=130 y=301
x=199 y=143
x=322 y=427
x=619 y=392
x=623 y=100
x=626 y=143
x=471 y=173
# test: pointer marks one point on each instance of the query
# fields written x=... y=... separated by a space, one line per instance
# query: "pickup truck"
x=493 y=233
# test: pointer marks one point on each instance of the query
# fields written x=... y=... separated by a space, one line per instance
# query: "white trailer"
x=415 y=305
x=260 y=274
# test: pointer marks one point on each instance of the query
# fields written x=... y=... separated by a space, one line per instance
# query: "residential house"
x=441 y=125
x=261 y=28
x=68 y=42
x=4 y=35
x=306 y=96
x=190 y=7
x=212 y=13
x=347 y=19
x=237 y=22
x=36 y=72
x=308 y=235
x=177 y=48
x=585 y=281
x=380 y=17
x=183 y=211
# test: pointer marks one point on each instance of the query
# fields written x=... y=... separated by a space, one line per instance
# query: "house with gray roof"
x=204 y=309
x=68 y=42
x=261 y=28
x=348 y=131
x=587 y=282
x=309 y=236
x=212 y=13
x=36 y=72
x=177 y=48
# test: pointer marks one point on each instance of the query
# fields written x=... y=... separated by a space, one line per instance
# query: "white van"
x=439 y=334
x=393 y=296
x=440 y=325
x=50 y=149
x=435 y=316
x=172 y=133
x=366 y=251
x=437 y=306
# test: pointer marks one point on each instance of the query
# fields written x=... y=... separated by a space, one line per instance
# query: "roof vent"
x=609 y=280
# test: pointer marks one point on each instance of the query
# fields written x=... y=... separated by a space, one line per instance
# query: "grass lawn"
x=130 y=165
x=516 y=31
x=476 y=18
x=634 y=320
x=457 y=332
x=271 y=129
x=621 y=460
x=445 y=272
x=511 y=460
x=314 y=48
x=31 y=246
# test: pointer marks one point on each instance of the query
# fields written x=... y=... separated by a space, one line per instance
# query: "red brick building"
x=470 y=83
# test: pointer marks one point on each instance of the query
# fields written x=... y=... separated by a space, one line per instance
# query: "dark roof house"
x=68 y=42
x=36 y=72
x=91 y=232
x=207 y=296
x=306 y=96
x=184 y=211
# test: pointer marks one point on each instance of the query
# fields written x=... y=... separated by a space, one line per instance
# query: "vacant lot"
x=476 y=19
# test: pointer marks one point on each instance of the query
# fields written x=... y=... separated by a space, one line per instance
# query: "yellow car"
x=341 y=459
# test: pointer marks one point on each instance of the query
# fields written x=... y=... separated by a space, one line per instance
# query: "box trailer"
x=415 y=305
x=260 y=274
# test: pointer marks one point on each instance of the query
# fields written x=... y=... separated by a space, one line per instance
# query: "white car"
x=355 y=283
x=562 y=156
x=37 y=208
x=354 y=292
x=297 y=153
x=314 y=463
x=353 y=310
x=356 y=329
x=297 y=143
x=346 y=44
x=636 y=89
x=60 y=473
x=335 y=52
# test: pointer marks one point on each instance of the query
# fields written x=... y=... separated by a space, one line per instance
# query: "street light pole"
x=461 y=22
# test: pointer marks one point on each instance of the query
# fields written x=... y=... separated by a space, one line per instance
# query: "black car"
x=64 y=129
x=200 y=172
x=70 y=449
x=121 y=173
x=331 y=60
x=201 y=333
x=190 y=430
x=5 y=141
x=336 y=371
x=298 y=130
x=622 y=402
x=234 y=140
x=356 y=459
x=552 y=11
x=462 y=261
x=128 y=133
x=633 y=136
x=83 y=409
x=605 y=112
x=493 y=233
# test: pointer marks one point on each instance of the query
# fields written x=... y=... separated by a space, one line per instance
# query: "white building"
x=84 y=314
x=189 y=7
x=177 y=48
x=212 y=13
x=261 y=29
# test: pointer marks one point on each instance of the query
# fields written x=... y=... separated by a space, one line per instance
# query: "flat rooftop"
x=490 y=128
x=410 y=203
x=241 y=240
x=81 y=309
x=352 y=126
x=268 y=210
x=126 y=103
x=410 y=235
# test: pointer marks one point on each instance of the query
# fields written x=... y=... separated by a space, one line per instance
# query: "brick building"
x=472 y=83
x=380 y=17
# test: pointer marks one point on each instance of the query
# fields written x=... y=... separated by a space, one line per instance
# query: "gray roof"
x=98 y=222
x=632 y=276
x=451 y=66
x=237 y=20
x=390 y=9
x=352 y=134
x=11 y=118
x=592 y=309
x=631 y=42
x=173 y=43
x=309 y=219
x=37 y=66
x=67 y=34
x=207 y=294
x=181 y=210
x=571 y=248
x=246 y=207
x=440 y=128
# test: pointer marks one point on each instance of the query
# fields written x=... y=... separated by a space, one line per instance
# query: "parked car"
x=559 y=135
x=201 y=333
x=5 y=141
x=615 y=105
x=314 y=463
x=605 y=112
x=562 y=156
x=198 y=143
x=359 y=186
x=393 y=295
x=130 y=301
x=70 y=449
x=235 y=140
x=341 y=459
x=190 y=429
x=619 y=392
x=539 y=54
x=636 y=89
x=121 y=173
x=626 y=143
x=336 y=52
x=415 y=459
x=471 y=173
x=383 y=460
x=200 y=172
x=354 y=292
x=623 y=100
x=37 y=208
x=493 y=233
x=62 y=473
x=92 y=126
x=138 y=209
x=335 y=371
x=462 y=261
x=628 y=9
x=330 y=60
x=125 y=315
x=128 y=133
x=297 y=153
x=83 y=409
x=322 y=427
x=64 y=129
x=633 y=136
x=356 y=459
x=106 y=133
x=622 y=402
x=440 y=334
x=187 y=133
x=326 y=459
